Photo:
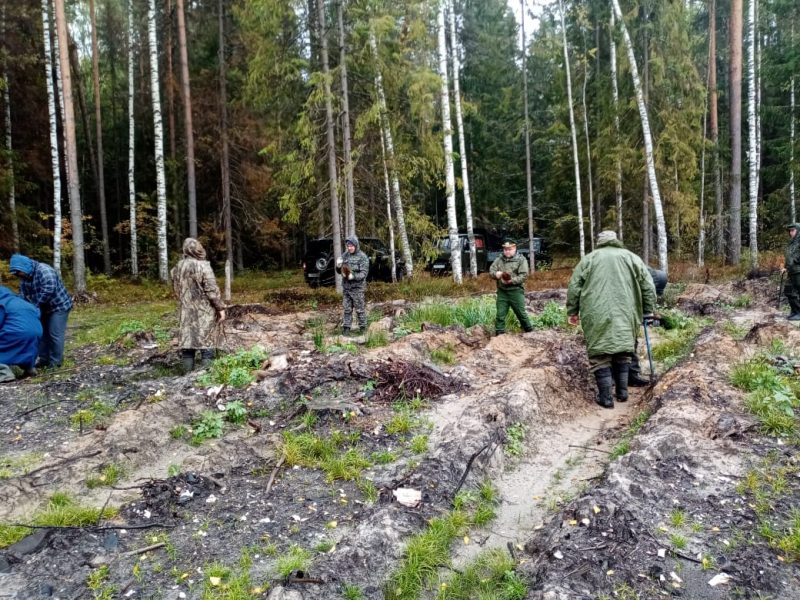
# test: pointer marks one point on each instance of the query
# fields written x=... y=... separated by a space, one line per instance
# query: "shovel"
x=649 y=351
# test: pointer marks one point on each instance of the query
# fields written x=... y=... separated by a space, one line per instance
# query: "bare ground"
x=579 y=525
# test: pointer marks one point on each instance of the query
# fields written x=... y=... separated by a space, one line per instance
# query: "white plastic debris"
x=211 y=499
x=146 y=514
x=719 y=579
x=557 y=554
x=214 y=391
x=674 y=576
x=662 y=552
x=265 y=520
x=408 y=496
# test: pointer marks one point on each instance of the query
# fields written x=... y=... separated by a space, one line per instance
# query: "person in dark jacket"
x=41 y=286
x=354 y=268
x=20 y=334
x=609 y=293
x=635 y=378
x=791 y=266
x=510 y=270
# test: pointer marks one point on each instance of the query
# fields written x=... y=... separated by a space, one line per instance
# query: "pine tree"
x=158 y=140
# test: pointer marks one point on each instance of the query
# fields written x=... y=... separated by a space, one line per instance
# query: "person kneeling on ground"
x=200 y=305
x=635 y=378
x=510 y=270
x=20 y=334
x=41 y=286
x=609 y=292
x=354 y=267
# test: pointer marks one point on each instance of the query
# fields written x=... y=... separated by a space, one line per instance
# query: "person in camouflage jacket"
x=354 y=268
x=510 y=270
x=200 y=305
x=791 y=267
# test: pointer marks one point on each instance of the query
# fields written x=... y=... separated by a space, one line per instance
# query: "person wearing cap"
x=609 y=292
x=20 y=334
x=41 y=286
x=791 y=267
x=354 y=268
x=510 y=271
x=200 y=305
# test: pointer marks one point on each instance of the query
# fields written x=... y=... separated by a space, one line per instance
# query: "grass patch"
x=772 y=395
x=208 y=426
x=295 y=559
x=107 y=477
x=677 y=337
x=401 y=422
x=384 y=457
x=624 y=445
x=335 y=455
x=61 y=510
x=235 y=370
x=97 y=584
x=341 y=345
x=92 y=416
x=515 y=438
x=351 y=592
x=444 y=355
x=377 y=339
x=427 y=551
x=490 y=576
x=104 y=324
x=19 y=464
x=553 y=316
x=737 y=331
x=225 y=583
x=419 y=444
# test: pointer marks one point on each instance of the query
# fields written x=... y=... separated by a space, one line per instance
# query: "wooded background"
x=129 y=125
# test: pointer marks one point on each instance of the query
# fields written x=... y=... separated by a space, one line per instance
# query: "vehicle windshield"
x=317 y=247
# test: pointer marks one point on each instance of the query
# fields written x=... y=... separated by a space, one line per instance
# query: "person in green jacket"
x=609 y=293
x=510 y=270
x=791 y=267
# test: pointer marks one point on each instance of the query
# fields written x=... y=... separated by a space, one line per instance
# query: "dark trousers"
x=354 y=299
x=792 y=291
x=51 y=347
x=513 y=298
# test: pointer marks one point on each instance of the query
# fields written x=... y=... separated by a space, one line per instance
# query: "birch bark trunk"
x=753 y=135
x=575 y=159
x=588 y=154
x=528 y=188
x=225 y=170
x=158 y=135
x=719 y=223
x=648 y=145
x=447 y=134
x=389 y=220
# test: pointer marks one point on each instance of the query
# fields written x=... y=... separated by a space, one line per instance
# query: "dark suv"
x=319 y=263
x=441 y=265
x=543 y=258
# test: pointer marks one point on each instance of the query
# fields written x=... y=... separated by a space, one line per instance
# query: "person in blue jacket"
x=41 y=286
x=20 y=333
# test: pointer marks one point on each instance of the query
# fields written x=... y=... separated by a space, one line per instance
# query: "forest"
x=257 y=125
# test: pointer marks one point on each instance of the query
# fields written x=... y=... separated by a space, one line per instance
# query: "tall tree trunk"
x=701 y=238
x=389 y=221
x=447 y=134
x=82 y=108
x=647 y=229
x=158 y=135
x=735 y=202
x=76 y=218
x=588 y=151
x=131 y=149
x=719 y=224
x=12 y=192
x=462 y=146
x=350 y=198
x=528 y=183
x=98 y=118
x=225 y=159
x=386 y=136
x=575 y=159
x=648 y=145
x=59 y=98
x=55 y=161
x=331 y=138
x=753 y=136
x=187 y=118
x=792 y=167
x=615 y=95
x=178 y=224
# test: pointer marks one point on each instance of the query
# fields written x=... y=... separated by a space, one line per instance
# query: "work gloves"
x=339 y=262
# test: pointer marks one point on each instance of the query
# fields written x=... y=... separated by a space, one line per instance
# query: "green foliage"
x=18 y=464
x=515 y=438
x=97 y=584
x=295 y=559
x=553 y=316
x=351 y=592
x=772 y=396
x=235 y=412
x=236 y=369
x=331 y=454
x=377 y=339
x=224 y=583
x=491 y=575
x=419 y=444
x=108 y=476
x=89 y=417
x=624 y=445
x=383 y=457
x=369 y=490
x=678 y=336
x=208 y=426
x=179 y=432
x=444 y=355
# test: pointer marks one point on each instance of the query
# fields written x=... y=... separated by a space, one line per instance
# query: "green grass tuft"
x=234 y=370
x=295 y=559
x=490 y=576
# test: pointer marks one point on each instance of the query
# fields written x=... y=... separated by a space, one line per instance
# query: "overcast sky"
x=534 y=9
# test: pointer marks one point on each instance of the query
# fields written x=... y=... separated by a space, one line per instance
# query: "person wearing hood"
x=510 y=270
x=354 y=268
x=41 y=286
x=20 y=334
x=200 y=305
x=791 y=267
x=609 y=293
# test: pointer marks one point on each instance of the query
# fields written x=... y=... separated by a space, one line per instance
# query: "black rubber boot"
x=635 y=378
x=499 y=332
x=346 y=331
x=620 y=372
x=604 y=381
x=187 y=360
x=206 y=358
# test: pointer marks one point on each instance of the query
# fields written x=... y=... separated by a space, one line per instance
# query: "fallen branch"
x=589 y=448
x=35 y=408
x=145 y=549
x=472 y=458
x=63 y=462
x=274 y=473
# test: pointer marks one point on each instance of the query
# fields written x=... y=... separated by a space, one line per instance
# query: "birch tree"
x=389 y=220
x=588 y=149
x=462 y=146
x=447 y=134
x=386 y=137
x=349 y=192
x=158 y=142
x=187 y=117
x=331 y=139
x=12 y=193
x=615 y=97
x=98 y=121
x=76 y=217
x=225 y=169
x=753 y=135
x=528 y=186
x=735 y=202
x=719 y=224
x=132 y=149
x=55 y=161
x=575 y=160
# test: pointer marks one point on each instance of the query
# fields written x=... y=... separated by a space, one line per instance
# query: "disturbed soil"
x=579 y=524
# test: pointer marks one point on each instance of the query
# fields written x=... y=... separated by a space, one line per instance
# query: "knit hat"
x=606 y=236
x=21 y=264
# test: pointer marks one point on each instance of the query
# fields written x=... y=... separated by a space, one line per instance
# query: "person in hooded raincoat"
x=354 y=267
x=20 y=334
x=200 y=305
x=609 y=293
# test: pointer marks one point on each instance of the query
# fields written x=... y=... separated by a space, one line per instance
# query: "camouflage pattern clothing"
x=511 y=293
x=198 y=296
x=354 y=270
x=792 y=263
